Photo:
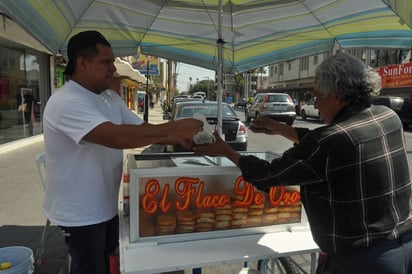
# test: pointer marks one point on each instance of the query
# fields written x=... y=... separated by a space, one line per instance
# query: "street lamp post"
x=207 y=83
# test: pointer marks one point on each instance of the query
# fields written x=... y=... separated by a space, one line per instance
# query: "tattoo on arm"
x=157 y=135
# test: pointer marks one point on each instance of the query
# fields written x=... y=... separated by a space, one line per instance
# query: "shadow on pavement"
x=55 y=254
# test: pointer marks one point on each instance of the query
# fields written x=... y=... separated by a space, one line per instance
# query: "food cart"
x=188 y=211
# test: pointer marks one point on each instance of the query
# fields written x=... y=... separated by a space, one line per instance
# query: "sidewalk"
x=21 y=196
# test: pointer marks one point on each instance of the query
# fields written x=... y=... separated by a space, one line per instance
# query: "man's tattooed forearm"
x=156 y=135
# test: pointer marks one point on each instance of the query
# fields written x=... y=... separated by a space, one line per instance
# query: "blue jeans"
x=389 y=257
x=91 y=246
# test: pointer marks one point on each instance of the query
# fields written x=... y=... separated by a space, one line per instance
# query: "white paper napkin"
x=206 y=136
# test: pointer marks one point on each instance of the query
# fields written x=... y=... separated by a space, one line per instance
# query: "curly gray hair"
x=348 y=78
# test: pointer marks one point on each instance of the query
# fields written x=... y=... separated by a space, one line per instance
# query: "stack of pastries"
x=228 y=216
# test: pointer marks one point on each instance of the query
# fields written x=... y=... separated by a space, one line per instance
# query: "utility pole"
x=169 y=82
x=207 y=83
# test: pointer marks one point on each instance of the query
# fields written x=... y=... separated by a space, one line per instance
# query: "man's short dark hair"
x=83 y=44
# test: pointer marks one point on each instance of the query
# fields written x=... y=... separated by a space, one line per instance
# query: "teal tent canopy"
x=250 y=34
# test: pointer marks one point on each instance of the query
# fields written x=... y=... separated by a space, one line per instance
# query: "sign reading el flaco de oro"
x=191 y=190
x=196 y=194
x=396 y=76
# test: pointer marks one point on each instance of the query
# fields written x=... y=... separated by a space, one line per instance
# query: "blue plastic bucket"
x=20 y=257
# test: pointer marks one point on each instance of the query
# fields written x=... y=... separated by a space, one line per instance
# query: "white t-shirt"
x=83 y=178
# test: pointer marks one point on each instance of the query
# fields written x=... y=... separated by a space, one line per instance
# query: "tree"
x=239 y=83
x=203 y=86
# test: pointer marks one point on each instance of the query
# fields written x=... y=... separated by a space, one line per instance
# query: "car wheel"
x=243 y=147
x=321 y=119
x=247 y=117
x=303 y=114
x=289 y=123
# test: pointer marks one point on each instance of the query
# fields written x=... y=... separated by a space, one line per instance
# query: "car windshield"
x=278 y=98
x=207 y=110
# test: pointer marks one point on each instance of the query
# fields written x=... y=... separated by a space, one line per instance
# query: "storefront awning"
x=126 y=70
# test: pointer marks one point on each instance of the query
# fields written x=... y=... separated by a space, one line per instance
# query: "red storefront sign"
x=396 y=76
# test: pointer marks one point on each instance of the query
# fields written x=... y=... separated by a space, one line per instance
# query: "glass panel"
x=20 y=114
x=278 y=98
x=206 y=110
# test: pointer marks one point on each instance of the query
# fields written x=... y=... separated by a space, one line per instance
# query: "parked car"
x=241 y=103
x=278 y=106
x=402 y=107
x=183 y=99
x=199 y=93
x=308 y=110
x=234 y=130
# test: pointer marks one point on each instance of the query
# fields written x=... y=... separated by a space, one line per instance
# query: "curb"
x=8 y=147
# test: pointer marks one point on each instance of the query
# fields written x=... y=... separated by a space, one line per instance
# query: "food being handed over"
x=205 y=136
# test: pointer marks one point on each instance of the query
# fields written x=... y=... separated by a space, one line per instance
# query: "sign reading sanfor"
x=396 y=75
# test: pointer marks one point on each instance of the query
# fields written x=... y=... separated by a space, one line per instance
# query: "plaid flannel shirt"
x=353 y=174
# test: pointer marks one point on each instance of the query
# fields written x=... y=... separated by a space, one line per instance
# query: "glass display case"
x=185 y=197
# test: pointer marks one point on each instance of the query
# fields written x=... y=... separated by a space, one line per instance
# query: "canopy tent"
x=254 y=33
x=125 y=69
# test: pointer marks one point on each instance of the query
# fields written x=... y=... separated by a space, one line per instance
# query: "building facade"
x=25 y=82
x=296 y=77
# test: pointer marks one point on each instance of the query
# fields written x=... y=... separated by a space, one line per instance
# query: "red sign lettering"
x=277 y=195
x=191 y=191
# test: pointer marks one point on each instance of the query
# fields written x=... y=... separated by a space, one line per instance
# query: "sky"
x=184 y=71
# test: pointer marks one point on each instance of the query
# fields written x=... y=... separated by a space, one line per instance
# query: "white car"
x=308 y=110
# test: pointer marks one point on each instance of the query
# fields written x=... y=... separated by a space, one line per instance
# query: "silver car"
x=278 y=106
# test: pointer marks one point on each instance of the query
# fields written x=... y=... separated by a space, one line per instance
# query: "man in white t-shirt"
x=86 y=126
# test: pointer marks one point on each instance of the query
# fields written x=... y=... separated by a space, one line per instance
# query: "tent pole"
x=146 y=97
x=219 y=70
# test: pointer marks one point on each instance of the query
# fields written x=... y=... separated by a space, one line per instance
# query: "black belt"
x=403 y=238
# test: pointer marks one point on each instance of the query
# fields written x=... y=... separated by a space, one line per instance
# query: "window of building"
x=405 y=56
x=394 y=56
x=315 y=60
x=20 y=74
x=281 y=69
x=304 y=63
x=356 y=52
x=385 y=57
x=365 y=55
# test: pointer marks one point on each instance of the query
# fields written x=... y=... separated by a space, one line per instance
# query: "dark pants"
x=91 y=246
x=389 y=257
